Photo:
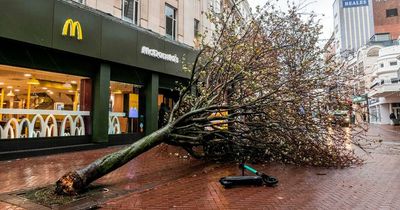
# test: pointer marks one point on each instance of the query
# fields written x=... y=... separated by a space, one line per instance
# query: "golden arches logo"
x=74 y=27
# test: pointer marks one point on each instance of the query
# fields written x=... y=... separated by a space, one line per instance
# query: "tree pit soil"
x=46 y=196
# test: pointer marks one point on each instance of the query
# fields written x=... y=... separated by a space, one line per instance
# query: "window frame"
x=393 y=63
x=196 y=28
x=80 y=1
x=136 y=11
x=394 y=14
x=174 y=29
x=216 y=6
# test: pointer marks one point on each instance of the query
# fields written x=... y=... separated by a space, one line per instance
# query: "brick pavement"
x=160 y=180
x=375 y=185
x=6 y=206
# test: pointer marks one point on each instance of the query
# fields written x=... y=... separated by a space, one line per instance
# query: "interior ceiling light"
x=44 y=88
x=117 y=92
x=9 y=87
x=33 y=81
x=27 y=75
x=70 y=91
x=73 y=82
x=1 y=83
x=67 y=85
x=16 y=90
x=10 y=94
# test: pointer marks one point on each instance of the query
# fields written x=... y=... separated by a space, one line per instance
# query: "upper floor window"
x=196 y=28
x=216 y=6
x=393 y=63
x=382 y=65
x=360 y=68
x=80 y=1
x=391 y=12
x=130 y=11
x=170 y=21
x=244 y=12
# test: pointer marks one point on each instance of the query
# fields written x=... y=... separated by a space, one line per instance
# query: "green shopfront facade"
x=63 y=38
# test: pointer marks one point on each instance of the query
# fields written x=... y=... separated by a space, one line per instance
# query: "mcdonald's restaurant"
x=74 y=78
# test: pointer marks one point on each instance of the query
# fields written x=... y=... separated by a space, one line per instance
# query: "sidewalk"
x=161 y=180
x=385 y=132
x=375 y=185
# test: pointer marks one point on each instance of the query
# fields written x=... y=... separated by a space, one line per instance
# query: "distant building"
x=361 y=66
x=386 y=17
x=353 y=25
x=376 y=73
x=384 y=92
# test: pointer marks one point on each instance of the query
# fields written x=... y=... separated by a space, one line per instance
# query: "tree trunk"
x=73 y=182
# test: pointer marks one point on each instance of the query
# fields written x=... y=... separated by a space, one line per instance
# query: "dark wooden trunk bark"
x=73 y=182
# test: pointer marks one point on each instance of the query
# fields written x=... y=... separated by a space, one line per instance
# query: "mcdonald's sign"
x=74 y=27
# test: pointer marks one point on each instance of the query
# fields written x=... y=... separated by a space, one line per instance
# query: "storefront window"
x=124 y=116
x=37 y=103
x=166 y=101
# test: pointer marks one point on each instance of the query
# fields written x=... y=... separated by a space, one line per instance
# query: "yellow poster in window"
x=133 y=105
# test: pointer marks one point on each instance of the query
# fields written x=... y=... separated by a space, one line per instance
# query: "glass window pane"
x=136 y=12
x=196 y=27
x=170 y=21
x=169 y=11
x=128 y=9
x=30 y=92
x=168 y=26
x=125 y=116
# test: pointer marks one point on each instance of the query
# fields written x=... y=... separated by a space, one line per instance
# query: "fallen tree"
x=260 y=89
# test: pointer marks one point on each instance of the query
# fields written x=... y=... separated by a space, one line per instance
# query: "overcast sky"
x=320 y=7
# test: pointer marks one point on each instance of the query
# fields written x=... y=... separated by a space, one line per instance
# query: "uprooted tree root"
x=69 y=184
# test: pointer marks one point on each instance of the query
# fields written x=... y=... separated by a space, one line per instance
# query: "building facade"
x=386 y=17
x=384 y=91
x=84 y=73
x=177 y=19
x=353 y=25
x=362 y=67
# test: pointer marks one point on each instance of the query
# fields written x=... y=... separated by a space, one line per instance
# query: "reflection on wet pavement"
x=159 y=179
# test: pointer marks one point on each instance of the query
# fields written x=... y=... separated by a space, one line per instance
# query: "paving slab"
x=163 y=179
